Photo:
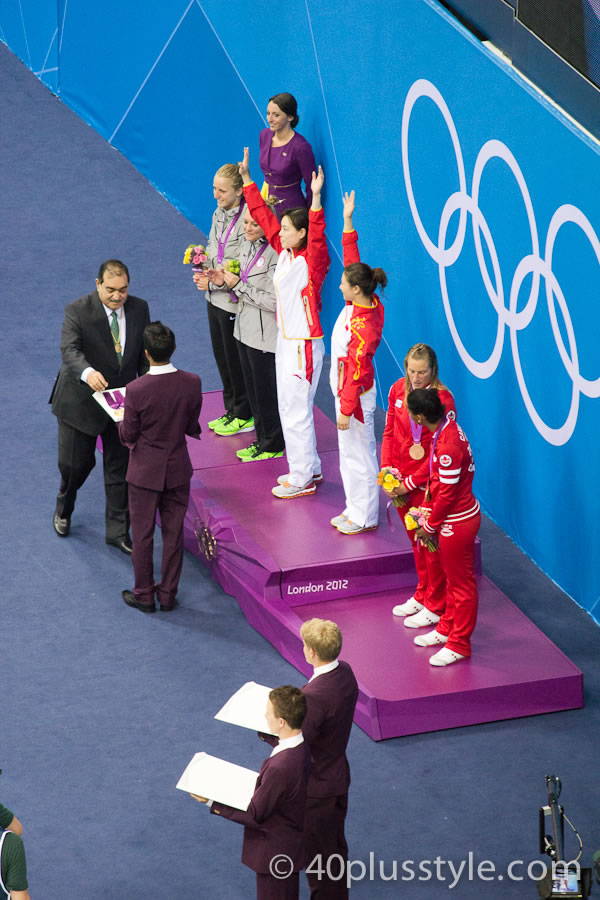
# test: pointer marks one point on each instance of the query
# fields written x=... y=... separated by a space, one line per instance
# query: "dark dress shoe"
x=167 y=607
x=61 y=526
x=122 y=543
x=131 y=601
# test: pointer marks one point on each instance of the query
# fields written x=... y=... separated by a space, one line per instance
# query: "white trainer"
x=421 y=619
x=350 y=527
x=445 y=657
x=338 y=520
x=318 y=478
x=409 y=608
x=287 y=491
x=430 y=639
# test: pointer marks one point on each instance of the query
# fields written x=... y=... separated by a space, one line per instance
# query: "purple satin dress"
x=284 y=169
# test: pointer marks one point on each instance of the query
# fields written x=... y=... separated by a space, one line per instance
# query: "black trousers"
x=227 y=358
x=261 y=385
x=77 y=458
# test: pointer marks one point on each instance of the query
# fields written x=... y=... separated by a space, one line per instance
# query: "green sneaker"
x=214 y=422
x=233 y=425
x=246 y=452
x=257 y=455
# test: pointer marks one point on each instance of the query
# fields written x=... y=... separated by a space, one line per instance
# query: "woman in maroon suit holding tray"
x=286 y=158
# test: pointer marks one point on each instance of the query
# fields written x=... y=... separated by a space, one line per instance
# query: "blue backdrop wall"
x=476 y=196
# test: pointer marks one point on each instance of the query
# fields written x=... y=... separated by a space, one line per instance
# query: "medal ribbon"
x=116 y=400
x=250 y=264
x=416 y=431
x=222 y=242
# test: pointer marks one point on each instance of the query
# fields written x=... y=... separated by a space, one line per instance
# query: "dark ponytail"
x=364 y=277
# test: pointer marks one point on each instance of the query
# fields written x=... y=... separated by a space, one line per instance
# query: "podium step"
x=284 y=563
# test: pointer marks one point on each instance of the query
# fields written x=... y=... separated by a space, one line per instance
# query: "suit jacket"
x=331 y=700
x=86 y=340
x=159 y=411
x=274 y=821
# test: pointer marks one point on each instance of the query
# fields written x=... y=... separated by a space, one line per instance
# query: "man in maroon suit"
x=161 y=407
x=274 y=821
x=331 y=695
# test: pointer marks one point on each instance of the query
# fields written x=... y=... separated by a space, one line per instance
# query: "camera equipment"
x=564 y=880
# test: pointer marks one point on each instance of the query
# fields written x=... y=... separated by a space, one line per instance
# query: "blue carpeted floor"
x=102 y=707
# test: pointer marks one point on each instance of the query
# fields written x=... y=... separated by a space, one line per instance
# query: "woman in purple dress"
x=286 y=158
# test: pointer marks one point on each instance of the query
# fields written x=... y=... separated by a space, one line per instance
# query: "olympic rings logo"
x=533 y=264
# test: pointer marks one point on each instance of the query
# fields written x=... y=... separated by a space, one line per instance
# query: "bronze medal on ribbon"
x=416 y=451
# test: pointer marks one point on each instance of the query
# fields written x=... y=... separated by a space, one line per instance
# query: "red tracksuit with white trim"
x=455 y=519
x=298 y=279
x=354 y=340
x=397 y=441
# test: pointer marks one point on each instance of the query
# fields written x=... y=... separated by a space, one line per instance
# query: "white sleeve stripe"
x=451 y=471
x=449 y=480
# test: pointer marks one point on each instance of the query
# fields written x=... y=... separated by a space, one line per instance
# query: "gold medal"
x=416 y=451
x=118 y=346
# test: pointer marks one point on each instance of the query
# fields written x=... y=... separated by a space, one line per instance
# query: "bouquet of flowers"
x=416 y=518
x=196 y=255
x=390 y=478
x=233 y=266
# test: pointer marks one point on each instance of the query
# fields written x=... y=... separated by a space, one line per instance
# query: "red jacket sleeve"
x=350 y=247
x=264 y=215
x=317 y=254
x=387 y=443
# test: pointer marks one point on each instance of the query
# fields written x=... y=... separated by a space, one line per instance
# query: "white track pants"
x=358 y=464
x=295 y=397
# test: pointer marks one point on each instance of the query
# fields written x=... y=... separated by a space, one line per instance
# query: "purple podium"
x=284 y=563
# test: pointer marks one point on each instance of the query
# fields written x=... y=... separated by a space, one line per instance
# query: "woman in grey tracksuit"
x=256 y=331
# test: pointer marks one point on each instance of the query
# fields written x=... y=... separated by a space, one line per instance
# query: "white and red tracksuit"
x=455 y=519
x=397 y=441
x=298 y=279
x=354 y=340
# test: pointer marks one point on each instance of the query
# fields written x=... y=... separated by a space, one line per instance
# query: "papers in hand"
x=247 y=708
x=112 y=402
x=216 y=779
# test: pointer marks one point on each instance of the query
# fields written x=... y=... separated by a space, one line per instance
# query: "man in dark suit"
x=160 y=409
x=274 y=821
x=331 y=696
x=101 y=347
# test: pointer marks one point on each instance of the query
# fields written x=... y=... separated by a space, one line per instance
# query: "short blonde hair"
x=232 y=172
x=324 y=637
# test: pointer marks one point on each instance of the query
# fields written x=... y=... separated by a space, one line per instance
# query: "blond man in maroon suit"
x=161 y=408
x=331 y=694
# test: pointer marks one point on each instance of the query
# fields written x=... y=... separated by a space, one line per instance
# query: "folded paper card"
x=247 y=707
x=216 y=779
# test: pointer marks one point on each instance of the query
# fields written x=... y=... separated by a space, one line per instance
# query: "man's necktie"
x=114 y=327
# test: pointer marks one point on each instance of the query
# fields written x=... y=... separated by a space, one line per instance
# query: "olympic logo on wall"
x=540 y=267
